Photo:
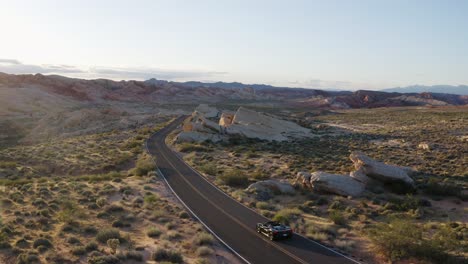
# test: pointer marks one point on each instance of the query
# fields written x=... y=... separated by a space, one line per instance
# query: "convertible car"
x=274 y=230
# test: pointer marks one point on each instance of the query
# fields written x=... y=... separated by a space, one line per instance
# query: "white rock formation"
x=303 y=177
x=271 y=186
x=194 y=136
x=226 y=119
x=252 y=124
x=379 y=170
x=244 y=122
x=337 y=184
x=207 y=111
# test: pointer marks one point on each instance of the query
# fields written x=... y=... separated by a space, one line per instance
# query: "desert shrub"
x=203 y=239
x=408 y=203
x=106 y=234
x=184 y=215
x=189 y=147
x=286 y=215
x=90 y=230
x=103 y=259
x=259 y=175
x=263 y=206
x=167 y=255
x=441 y=189
x=171 y=235
x=7 y=164
x=401 y=239
x=27 y=258
x=4 y=241
x=22 y=243
x=209 y=168
x=91 y=246
x=204 y=251
x=133 y=255
x=78 y=251
x=101 y=202
x=42 y=242
x=336 y=205
x=234 y=178
x=73 y=240
x=69 y=212
x=151 y=200
x=337 y=217
x=114 y=208
x=153 y=232
x=113 y=244
x=144 y=165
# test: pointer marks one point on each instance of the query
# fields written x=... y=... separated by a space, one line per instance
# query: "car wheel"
x=271 y=237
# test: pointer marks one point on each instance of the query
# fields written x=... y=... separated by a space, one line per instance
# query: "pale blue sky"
x=343 y=44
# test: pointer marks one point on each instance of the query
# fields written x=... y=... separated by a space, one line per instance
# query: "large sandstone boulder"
x=226 y=119
x=303 y=177
x=252 y=124
x=207 y=111
x=272 y=186
x=337 y=184
x=194 y=136
x=379 y=170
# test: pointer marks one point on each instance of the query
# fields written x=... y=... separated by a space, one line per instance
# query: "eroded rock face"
x=244 y=122
x=379 y=170
x=337 y=184
x=194 y=136
x=252 y=124
x=226 y=119
x=272 y=186
x=207 y=111
x=303 y=177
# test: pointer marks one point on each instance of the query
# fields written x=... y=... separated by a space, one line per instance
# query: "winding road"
x=231 y=222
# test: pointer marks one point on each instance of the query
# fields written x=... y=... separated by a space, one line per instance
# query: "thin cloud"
x=16 y=67
x=116 y=73
x=329 y=84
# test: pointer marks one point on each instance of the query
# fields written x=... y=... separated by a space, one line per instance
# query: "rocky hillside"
x=38 y=107
x=102 y=90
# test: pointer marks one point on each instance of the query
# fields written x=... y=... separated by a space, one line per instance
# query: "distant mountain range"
x=444 y=89
x=447 y=89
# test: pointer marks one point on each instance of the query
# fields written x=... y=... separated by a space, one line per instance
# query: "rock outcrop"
x=207 y=111
x=303 y=177
x=244 y=122
x=337 y=184
x=379 y=170
x=252 y=124
x=194 y=136
x=273 y=186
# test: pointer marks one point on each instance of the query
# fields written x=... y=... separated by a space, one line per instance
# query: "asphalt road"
x=231 y=222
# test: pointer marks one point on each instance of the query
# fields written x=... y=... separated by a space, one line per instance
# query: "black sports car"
x=274 y=230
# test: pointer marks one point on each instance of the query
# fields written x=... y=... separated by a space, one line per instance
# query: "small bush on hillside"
x=144 y=165
x=234 y=178
x=153 y=232
x=204 y=251
x=209 y=168
x=106 y=234
x=204 y=239
x=166 y=255
x=189 y=147
x=42 y=242
x=337 y=217
x=285 y=216
x=401 y=239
